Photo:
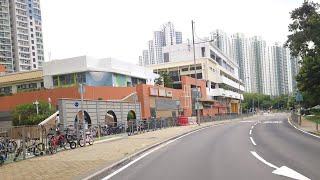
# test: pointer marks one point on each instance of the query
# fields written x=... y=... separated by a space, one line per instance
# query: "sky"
x=121 y=28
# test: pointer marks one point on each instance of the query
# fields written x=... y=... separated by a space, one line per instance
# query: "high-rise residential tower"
x=167 y=36
x=257 y=58
x=222 y=41
x=240 y=48
x=5 y=37
x=179 y=37
x=25 y=30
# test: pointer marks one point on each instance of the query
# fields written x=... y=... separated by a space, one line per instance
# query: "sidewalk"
x=81 y=161
x=307 y=125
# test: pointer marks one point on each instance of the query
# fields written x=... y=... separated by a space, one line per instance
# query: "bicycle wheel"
x=73 y=144
x=81 y=142
x=12 y=146
x=90 y=141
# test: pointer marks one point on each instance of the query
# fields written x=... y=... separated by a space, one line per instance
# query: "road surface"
x=265 y=148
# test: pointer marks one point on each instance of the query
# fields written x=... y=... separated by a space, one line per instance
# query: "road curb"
x=128 y=159
x=298 y=128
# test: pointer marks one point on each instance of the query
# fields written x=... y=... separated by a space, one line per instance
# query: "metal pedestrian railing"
x=22 y=142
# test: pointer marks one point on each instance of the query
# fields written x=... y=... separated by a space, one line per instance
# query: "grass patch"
x=315 y=118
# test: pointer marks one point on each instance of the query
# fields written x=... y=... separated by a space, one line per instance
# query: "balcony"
x=223 y=93
x=231 y=83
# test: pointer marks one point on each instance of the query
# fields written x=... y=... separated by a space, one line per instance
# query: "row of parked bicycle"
x=49 y=144
x=51 y=141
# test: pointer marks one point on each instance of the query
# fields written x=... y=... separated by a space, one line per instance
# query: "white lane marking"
x=303 y=130
x=253 y=141
x=282 y=171
x=252 y=127
x=151 y=151
x=272 y=122
x=285 y=171
x=255 y=123
x=132 y=162
x=250 y=131
x=245 y=121
x=262 y=160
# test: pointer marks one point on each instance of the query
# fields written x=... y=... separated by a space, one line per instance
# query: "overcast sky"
x=121 y=28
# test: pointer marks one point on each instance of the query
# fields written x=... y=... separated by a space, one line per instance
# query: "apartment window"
x=203 y=51
x=29 y=5
x=34 y=59
x=32 y=35
x=34 y=66
x=30 y=11
x=31 y=29
x=185 y=69
x=32 y=41
x=191 y=68
x=33 y=54
x=30 y=17
x=199 y=67
x=31 y=23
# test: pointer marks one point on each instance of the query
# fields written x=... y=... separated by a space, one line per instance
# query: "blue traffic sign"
x=76 y=104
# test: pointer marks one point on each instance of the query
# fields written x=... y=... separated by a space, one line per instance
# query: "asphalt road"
x=228 y=152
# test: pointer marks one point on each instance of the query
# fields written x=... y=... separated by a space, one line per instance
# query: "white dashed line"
x=250 y=132
x=253 y=141
x=252 y=127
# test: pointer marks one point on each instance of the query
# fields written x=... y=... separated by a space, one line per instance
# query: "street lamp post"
x=195 y=74
x=37 y=106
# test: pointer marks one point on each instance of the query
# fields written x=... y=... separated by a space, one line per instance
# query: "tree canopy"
x=26 y=114
x=164 y=80
x=304 y=41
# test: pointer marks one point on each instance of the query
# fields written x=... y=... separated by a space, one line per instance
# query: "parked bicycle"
x=88 y=139
x=35 y=148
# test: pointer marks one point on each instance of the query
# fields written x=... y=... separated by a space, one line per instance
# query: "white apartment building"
x=145 y=57
x=257 y=59
x=151 y=52
x=5 y=37
x=212 y=65
x=222 y=41
x=240 y=54
x=21 y=35
x=178 y=37
x=165 y=36
x=169 y=34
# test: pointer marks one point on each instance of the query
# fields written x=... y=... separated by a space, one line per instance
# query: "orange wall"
x=2 y=68
x=8 y=103
x=144 y=97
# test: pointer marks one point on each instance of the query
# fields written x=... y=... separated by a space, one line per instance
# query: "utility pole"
x=195 y=74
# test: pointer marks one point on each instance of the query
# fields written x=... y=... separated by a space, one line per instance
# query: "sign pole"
x=83 y=119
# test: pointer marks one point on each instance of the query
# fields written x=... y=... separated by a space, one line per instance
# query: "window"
x=30 y=13
x=55 y=80
x=191 y=68
x=32 y=41
x=33 y=53
x=29 y=5
x=32 y=35
x=30 y=17
x=34 y=59
x=199 y=67
x=31 y=29
x=34 y=66
x=185 y=69
x=203 y=51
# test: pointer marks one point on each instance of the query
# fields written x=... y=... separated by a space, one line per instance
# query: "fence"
x=18 y=143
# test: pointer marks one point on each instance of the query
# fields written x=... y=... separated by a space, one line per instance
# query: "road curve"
x=226 y=152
